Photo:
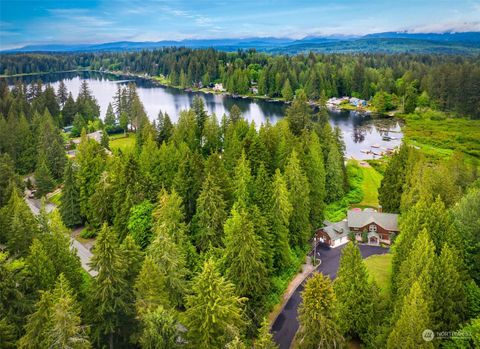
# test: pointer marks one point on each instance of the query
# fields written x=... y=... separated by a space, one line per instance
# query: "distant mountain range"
x=390 y=42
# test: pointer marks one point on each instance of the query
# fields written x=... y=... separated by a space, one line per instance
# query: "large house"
x=369 y=226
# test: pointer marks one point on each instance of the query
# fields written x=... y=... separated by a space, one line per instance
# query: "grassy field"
x=440 y=138
x=370 y=184
x=380 y=269
x=121 y=142
x=336 y=211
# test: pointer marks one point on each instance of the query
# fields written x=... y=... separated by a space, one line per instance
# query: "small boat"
x=375 y=146
x=387 y=138
x=365 y=151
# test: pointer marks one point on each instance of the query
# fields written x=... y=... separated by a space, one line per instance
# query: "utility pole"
x=314 y=250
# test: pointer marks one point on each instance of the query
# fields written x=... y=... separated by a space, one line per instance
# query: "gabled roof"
x=359 y=219
x=337 y=230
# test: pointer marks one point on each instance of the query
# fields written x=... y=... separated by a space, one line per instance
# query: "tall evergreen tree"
x=243 y=256
x=243 y=181
x=424 y=215
x=287 y=92
x=87 y=105
x=110 y=118
x=450 y=301
x=210 y=216
x=43 y=178
x=466 y=217
x=188 y=181
x=214 y=313
x=414 y=319
x=281 y=212
x=150 y=288
x=50 y=146
x=299 y=197
x=391 y=187
x=200 y=116
x=315 y=171
x=318 y=327
x=170 y=258
x=101 y=202
x=9 y=180
x=56 y=322
x=355 y=294
x=299 y=114
x=235 y=114
x=109 y=306
x=66 y=330
x=126 y=192
x=419 y=266
x=62 y=93
x=40 y=267
x=65 y=260
x=90 y=160
x=37 y=324
x=164 y=128
x=69 y=110
x=18 y=225
x=334 y=177
x=69 y=200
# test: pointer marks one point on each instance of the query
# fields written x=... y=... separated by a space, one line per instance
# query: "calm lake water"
x=360 y=133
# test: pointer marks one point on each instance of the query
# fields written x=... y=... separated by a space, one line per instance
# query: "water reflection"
x=360 y=132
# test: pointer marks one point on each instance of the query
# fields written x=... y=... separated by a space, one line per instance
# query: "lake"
x=360 y=132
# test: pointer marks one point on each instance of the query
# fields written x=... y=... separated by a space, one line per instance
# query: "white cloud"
x=452 y=26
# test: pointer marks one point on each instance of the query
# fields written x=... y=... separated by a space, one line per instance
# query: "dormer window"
x=372 y=228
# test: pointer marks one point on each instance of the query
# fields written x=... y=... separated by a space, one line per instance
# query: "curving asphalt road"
x=286 y=324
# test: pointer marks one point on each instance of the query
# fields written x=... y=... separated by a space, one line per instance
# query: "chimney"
x=380 y=208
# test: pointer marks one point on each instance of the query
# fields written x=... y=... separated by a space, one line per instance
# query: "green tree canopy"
x=214 y=313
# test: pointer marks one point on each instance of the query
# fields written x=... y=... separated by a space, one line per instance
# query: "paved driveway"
x=82 y=252
x=286 y=324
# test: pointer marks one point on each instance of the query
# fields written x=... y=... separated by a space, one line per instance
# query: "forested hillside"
x=447 y=82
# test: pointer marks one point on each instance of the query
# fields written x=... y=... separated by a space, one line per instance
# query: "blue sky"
x=88 y=21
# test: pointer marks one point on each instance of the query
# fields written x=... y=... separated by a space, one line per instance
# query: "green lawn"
x=122 y=143
x=380 y=269
x=336 y=211
x=370 y=185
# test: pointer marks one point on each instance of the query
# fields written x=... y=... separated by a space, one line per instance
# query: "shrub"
x=88 y=234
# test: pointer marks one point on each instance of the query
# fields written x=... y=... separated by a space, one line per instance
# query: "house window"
x=372 y=228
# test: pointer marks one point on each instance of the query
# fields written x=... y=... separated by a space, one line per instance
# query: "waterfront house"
x=369 y=226
x=218 y=87
x=357 y=102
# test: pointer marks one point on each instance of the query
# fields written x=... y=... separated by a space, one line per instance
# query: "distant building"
x=369 y=226
x=336 y=101
x=67 y=129
x=96 y=136
x=218 y=87
x=357 y=102
x=254 y=90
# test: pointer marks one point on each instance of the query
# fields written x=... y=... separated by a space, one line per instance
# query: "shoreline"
x=155 y=80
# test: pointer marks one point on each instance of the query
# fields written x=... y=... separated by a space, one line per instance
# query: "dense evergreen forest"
x=447 y=82
x=201 y=225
